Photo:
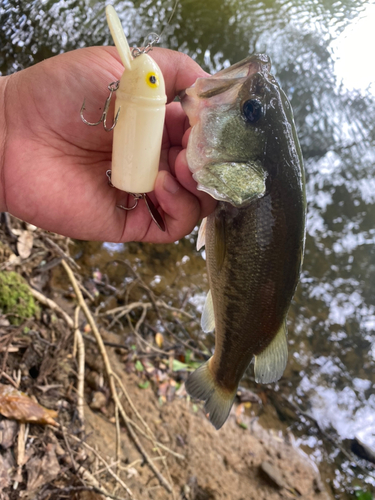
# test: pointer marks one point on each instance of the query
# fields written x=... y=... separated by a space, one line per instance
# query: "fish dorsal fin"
x=220 y=241
x=208 y=316
x=201 y=240
x=237 y=183
x=270 y=364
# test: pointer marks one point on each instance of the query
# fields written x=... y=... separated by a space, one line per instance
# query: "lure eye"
x=252 y=110
x=152 y=80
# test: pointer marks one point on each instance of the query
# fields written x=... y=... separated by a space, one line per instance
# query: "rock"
x=272 y=474
x=363 y=450
x=98 y=400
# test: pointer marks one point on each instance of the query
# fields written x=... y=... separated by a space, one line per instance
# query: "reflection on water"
x=321 y=57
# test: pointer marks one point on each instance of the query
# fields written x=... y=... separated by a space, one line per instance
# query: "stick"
x=52 y=305
x=81 y=369
x=105 y=463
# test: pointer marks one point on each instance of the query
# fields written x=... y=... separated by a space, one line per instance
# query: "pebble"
x=272 y=474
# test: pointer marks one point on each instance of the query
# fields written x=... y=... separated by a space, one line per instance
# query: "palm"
x=54 y=170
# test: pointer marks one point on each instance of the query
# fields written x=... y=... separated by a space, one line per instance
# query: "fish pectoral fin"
x=208 y=316
x=236 y=183
x=201 y=385
x=201 y=240
x=270 y=364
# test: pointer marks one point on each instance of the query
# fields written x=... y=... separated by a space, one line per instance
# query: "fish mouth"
x=209 y=91
x=226 y=79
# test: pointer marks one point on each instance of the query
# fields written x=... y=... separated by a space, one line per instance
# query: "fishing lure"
x=138 y=120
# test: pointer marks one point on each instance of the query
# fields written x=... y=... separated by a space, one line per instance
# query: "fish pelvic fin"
x=201 y=240
x=201 y=385
x=270 y=364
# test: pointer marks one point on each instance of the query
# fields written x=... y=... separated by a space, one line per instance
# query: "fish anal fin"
x=208 y=315
x=201 y=385
x=270 y=364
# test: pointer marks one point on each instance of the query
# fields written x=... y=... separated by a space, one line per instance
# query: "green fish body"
x=244 y=151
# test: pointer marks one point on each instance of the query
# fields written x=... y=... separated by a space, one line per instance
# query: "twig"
x=81 y=368
x=159 y=303
x=76 y=489
x=109 y=371
x=139 y=337
x=86 y=292
x=118 y=435
x=61 y=252
x=9 y=378
x=21 y=442
x=85 y=474
x=109 y=344
x=52 y=305
x=5 y=357
x=105 y=463
x=150 y=433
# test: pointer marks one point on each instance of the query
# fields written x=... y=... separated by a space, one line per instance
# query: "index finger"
x=179 y=70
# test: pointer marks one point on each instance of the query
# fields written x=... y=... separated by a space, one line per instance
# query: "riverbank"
x=134 y=434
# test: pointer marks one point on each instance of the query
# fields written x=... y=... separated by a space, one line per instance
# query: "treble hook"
x=112 y=87
x=155 y=216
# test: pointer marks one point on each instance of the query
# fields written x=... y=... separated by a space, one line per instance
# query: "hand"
x=53 y=171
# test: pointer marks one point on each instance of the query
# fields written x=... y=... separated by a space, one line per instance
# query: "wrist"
x=3 y=140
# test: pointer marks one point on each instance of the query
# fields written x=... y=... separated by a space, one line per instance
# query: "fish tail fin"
x=270 y=364
x=201 y=385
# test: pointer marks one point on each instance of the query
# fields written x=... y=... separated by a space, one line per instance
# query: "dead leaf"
x=16 y=405
x=159 y=339
x=25 y=244
x=43 y=470
x=8 y=433
x=131 y=472
x=6 y=467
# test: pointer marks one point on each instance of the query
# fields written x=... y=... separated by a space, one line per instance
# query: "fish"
x=243 y=150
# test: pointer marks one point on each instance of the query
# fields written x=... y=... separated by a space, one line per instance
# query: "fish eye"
x=152 y=80
x=252 y=110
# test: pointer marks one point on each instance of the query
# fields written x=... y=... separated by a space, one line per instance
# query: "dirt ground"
x=130 y=435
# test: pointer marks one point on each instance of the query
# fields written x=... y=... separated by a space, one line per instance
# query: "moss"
x=16 y=300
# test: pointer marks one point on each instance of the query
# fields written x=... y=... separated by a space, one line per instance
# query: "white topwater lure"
x=138 y=122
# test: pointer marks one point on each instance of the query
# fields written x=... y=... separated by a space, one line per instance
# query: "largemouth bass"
x=244 y=151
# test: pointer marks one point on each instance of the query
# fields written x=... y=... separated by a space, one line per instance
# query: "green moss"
x=16 y=300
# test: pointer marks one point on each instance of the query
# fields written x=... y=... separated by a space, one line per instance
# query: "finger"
x=185 y=178
x=179 y=70
x=181 y=209
x=176 y=123
x=185 y=138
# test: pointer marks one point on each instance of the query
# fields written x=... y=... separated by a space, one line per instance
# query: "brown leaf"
x=25 y=244
x=8 y=433
x=6 y=467
x=16 y=405
x=43 y=470
x=159 y=339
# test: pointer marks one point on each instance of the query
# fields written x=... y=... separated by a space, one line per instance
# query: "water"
x=322 y=56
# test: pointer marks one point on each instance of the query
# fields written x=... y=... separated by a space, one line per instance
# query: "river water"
x=321 y=53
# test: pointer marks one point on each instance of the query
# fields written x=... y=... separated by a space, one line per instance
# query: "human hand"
x=53 y=168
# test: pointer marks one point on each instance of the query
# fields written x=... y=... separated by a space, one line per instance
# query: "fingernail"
x=170 y=184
